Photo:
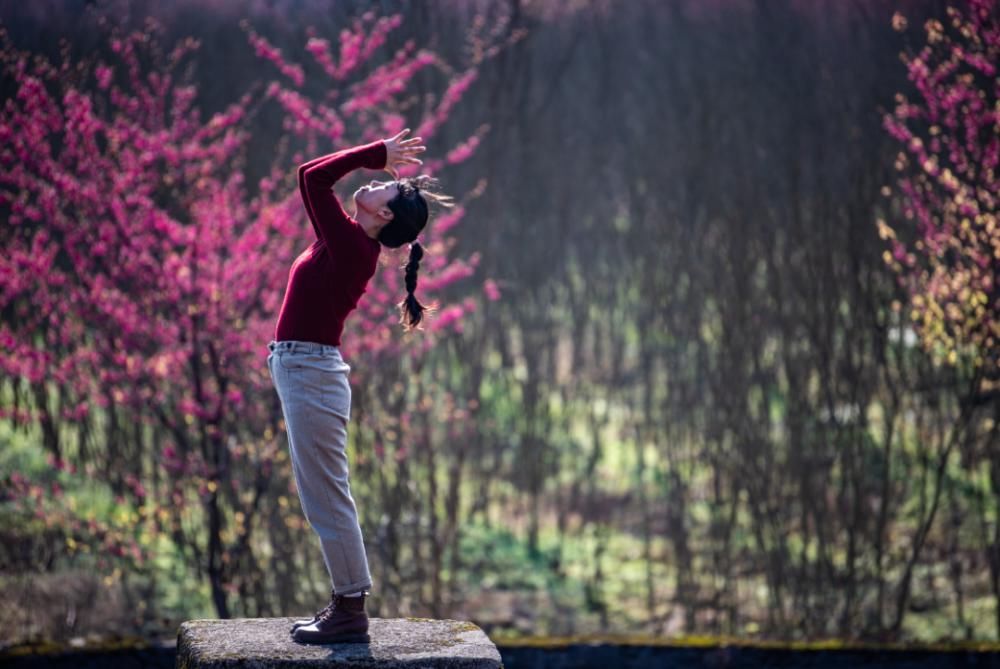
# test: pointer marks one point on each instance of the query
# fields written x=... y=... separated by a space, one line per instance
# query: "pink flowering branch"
x=140 y=278
x=371 y=108
x=133 y=269
x=946 y=246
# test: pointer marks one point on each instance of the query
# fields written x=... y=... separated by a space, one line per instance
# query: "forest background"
x=716 y=341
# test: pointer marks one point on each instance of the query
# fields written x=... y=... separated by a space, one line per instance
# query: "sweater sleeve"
x=316 y=178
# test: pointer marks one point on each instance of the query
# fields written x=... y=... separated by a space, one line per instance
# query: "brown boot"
x=344 y=621
x=302 y=622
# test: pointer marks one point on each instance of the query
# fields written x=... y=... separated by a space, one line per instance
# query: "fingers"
x=402 y=150
x=407 y=153
x=405 y=149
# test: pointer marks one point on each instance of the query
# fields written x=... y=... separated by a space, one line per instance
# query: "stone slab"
x=265 y=643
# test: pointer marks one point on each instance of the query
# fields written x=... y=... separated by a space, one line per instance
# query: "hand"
x=400 y=152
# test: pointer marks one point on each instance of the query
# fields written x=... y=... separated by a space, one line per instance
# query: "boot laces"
x=336 y=605
x=325 y=608
x=331 y=608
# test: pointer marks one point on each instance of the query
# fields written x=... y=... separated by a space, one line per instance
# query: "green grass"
x=498 y=558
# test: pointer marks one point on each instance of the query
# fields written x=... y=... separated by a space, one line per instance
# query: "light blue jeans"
x=315 y=393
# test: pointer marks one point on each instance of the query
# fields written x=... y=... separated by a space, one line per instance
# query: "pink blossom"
x=266 y=50
x=103 y=74
x=447 y=317
x=462 y=152
x=320 y=50
x=163 y=273
x=491 y=290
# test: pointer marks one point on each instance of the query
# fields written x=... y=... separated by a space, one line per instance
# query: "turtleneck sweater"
x=327 y=280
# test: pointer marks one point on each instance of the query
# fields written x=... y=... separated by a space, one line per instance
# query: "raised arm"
x=316 y=178
x=305 y=194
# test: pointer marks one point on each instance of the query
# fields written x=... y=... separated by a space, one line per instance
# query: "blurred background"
x=715 y=348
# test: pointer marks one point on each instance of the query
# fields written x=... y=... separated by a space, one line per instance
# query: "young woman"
x=310 y=375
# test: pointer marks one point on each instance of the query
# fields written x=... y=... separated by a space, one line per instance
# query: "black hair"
x=409 y=216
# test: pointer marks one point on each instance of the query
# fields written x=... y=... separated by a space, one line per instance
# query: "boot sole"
x=336 y=638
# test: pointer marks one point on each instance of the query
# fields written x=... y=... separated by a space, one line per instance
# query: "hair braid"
x=411 y=311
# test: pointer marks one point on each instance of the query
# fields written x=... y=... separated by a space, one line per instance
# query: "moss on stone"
x=49 y=647
x=465 y=626
x=706 y=641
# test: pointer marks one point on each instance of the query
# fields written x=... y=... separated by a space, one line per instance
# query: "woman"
x=310 y=375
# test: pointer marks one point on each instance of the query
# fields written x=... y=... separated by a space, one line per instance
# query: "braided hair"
x=409 y=216
x=411 y=311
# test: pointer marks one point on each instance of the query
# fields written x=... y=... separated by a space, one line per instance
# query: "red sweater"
x=328 y=278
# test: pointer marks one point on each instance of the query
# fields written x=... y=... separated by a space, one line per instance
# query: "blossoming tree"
x=945 y=249
x=141 y=278
x=949 y=187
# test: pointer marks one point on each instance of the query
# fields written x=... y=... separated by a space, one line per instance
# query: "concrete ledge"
x=264 y=643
